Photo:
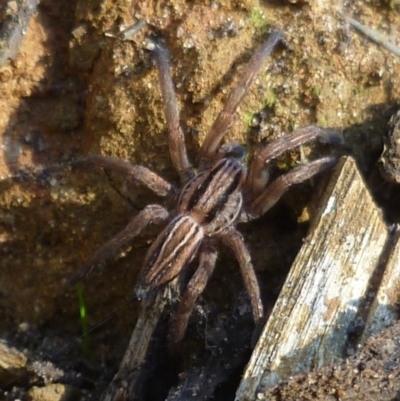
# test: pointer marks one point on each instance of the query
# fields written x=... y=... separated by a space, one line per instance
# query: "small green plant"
x=356 y=90
x=270 y=99
x=84 y=320
x=316 y=92
x=248 y=119
x=258 y=20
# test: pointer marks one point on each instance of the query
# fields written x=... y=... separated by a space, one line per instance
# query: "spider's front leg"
x=177 y=145
x=260 y=197
x=225 y=118
x=278 y=187
x=151 y=214
x=141 y=174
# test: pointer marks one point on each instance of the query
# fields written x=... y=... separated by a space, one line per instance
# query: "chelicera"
x=211 y=201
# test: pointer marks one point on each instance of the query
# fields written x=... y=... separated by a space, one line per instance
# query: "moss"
x=248 y=118
x=258 y=20
x=270 y=99
x=316 y=92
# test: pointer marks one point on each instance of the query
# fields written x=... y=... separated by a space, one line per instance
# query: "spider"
x=212 y=201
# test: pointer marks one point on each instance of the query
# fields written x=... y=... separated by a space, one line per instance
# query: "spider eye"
x=233 y=150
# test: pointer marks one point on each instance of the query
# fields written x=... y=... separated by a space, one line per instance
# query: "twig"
x=132 y=30
x=373 y=35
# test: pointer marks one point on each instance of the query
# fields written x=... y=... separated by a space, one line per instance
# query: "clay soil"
x=74 y=87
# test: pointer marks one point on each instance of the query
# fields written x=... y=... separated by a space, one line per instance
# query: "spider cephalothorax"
x=211 y=202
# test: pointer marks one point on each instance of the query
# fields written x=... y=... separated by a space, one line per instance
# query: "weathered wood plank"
x=384 y=309
x=327 y=289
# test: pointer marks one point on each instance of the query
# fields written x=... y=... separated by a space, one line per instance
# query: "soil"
x=74 y=87
x=370 y=374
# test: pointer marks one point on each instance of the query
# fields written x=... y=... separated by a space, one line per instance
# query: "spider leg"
x=140 y=173
x=278 y=187
x=151 y=214
x=225 y=118
x=196 y=285
x=177 y=146
x=258 y=175
x=234 y=240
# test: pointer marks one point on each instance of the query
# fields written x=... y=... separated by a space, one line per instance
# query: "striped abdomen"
x=170 y=253
x=213 y=198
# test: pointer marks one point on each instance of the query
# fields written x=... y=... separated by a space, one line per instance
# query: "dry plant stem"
x=125 y=384
x=132 y=30
x=225 y=118
x=372 y=34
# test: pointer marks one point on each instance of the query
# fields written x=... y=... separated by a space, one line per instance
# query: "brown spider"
x=211 y=201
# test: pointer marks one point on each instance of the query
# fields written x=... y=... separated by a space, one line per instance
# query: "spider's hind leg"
x=196 y=285
x=234 y=240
